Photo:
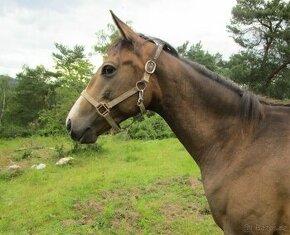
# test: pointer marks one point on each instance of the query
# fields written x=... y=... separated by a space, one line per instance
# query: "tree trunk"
x=3 y=106
x=276 y=71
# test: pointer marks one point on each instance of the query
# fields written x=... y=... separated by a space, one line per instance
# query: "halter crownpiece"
x=104 y=109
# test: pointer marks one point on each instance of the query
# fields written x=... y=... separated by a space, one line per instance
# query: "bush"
x=60 y=151
x=150 y=127
x=52 y=122
x=23 y=155
x=12 y=131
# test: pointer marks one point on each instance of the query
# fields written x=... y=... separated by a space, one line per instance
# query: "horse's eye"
x=108 y=70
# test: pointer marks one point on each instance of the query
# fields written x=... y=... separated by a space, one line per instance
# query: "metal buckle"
x=150 y=66
x=103 y=109
x=141 y=85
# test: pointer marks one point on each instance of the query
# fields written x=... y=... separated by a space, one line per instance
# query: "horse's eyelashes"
x=108 y=70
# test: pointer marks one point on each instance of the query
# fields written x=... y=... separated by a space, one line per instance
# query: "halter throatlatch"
x=104 y=109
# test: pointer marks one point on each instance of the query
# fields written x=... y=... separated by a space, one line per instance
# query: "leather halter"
x=104 y=109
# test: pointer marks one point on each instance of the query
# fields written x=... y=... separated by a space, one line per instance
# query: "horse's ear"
x=124 y=29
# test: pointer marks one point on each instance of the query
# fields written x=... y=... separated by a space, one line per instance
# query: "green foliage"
x=10 y=130
x=32 y=94
x=262 y=28
x=151 y=127
x=73 y=71
x=26 y=154
x=41 y=99
x=52 y=121
x=60 y=151
x=105 y=37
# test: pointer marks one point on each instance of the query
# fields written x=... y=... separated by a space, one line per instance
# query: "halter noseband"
x=104 y=109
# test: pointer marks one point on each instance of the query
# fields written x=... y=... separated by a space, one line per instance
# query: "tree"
x=32 y=94
x=105 y=37
x=73 y=72
x=72 y=67
x=262 y=28
x=5 y=87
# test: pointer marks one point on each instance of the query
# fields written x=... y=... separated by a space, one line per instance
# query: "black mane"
x=167 y=47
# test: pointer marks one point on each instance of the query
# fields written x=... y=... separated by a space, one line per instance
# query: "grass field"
x=117 y=187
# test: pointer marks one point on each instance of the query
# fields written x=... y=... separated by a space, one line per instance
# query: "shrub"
x=60 y=151
x=26 y=154
x=152 y=126
x=12 y=131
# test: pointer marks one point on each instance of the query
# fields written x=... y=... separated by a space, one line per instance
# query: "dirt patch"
x=90 y=206
x=192 y=198
x=194 y=182
x=172 y=198
x=69 y=222
x=180 y=180
x=89 y=211
x=126 y=217
x=114 y=210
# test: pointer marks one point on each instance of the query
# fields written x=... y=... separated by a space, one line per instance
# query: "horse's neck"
x=201 y=112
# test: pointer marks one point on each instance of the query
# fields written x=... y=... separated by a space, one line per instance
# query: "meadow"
x=118 y=186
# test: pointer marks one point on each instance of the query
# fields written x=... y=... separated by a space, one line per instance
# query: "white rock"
x=39 y=166
x=64 y=161
x=13 y=167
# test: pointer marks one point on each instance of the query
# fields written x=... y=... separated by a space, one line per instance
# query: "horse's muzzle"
x=85 y=136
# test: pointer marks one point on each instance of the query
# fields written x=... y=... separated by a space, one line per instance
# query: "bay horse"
x=239 y=141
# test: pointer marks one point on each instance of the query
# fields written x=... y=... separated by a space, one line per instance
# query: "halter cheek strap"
x=104 y=109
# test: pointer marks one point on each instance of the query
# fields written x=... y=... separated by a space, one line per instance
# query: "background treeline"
x=38 y=99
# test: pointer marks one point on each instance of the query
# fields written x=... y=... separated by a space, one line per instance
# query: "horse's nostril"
x=68 y=125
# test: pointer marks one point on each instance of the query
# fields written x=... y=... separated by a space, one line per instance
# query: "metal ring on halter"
x=150 y=66
x=141 y=85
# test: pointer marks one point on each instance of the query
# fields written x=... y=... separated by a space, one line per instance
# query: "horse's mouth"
x=86 y=137
x=90 y=134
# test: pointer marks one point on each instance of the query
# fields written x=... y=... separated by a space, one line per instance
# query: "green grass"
x=120 y=187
